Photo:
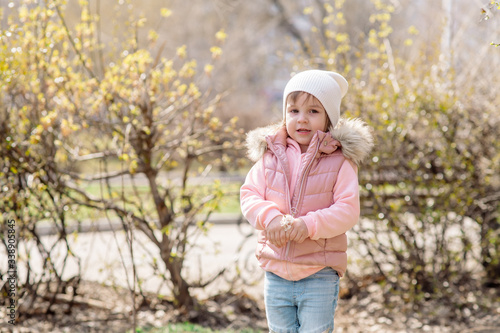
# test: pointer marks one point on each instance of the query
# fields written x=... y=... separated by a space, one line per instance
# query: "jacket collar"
x=353 y=136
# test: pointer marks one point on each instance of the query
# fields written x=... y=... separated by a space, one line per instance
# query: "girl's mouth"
x=303 y=131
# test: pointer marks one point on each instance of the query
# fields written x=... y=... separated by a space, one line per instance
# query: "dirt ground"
x=98 y=308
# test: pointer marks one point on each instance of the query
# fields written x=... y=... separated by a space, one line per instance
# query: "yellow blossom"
x=342 y=37
x=133 y=166
x=182 y=89
x=193 y=90
x=60 y=156
x=221 y=35
x=208 y=69
x=181 y=51
x=343 y=48
x=412 y=30
x=65 y=128
x=48 y=120
x=165 y=12
x=216 y=51
x=214 y=123
x=141 y=22
x=152 y=36
x=308 y=10
x=188 y=69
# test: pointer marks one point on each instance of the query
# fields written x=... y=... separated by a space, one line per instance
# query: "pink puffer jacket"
x=320 y=186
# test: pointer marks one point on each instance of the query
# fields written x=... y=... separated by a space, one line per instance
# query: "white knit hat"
x=327 y=87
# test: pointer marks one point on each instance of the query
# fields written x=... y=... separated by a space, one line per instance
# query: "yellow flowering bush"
x=66 y=103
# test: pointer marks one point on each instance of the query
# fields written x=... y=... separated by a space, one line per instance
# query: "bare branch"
x=97 y=177
x=290 y=27
x=70 y=38
x=103 y=205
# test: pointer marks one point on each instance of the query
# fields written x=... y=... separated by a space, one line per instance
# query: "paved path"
x=105 y=256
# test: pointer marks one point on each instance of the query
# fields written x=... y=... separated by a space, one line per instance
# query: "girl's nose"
x=302 y=117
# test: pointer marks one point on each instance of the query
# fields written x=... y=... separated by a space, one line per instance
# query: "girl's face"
x=304 y=116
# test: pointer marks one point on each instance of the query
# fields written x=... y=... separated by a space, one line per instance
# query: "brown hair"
x=294 y=95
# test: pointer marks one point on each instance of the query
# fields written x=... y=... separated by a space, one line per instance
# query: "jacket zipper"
x=293 y=210
x=302 y=182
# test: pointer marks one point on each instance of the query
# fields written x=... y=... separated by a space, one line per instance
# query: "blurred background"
x=122 y=129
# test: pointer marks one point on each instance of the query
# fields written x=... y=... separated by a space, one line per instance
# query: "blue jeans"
x=305 y=306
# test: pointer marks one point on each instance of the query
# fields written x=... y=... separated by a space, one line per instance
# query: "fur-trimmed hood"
x=354 y=136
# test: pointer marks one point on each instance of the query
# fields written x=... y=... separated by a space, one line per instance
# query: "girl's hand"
x=298 y=232
x=275 y=233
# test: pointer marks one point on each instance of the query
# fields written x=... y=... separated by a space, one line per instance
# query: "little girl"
x=302 y=196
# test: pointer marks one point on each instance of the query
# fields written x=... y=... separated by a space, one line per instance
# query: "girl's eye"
x=293 y=111
x=314 y=111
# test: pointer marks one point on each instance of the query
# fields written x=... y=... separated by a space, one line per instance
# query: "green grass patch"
x=141 y=197
x=189 y=327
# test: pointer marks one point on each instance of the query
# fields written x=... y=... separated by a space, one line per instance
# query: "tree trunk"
x=183 y=299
